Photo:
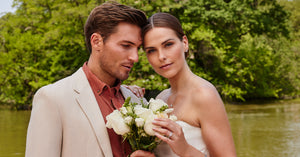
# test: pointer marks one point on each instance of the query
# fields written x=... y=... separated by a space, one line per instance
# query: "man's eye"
x=126 y=46
x=149 y=51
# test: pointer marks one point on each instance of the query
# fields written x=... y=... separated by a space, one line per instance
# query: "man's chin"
x=123 y=77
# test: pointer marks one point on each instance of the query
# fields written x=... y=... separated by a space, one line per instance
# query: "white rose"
x=123 y=110
x=129 y=109
x=168 y=110
x=162 y=115
x=173 y=117
x=142 y=112
x=148 y=127
x=139 y=122
x=156 y=104
x=128 y=119
x=115 y=121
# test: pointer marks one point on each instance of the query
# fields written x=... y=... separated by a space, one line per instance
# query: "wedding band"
x=170 y=134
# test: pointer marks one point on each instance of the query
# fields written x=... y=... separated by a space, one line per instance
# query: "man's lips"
x=128 y=66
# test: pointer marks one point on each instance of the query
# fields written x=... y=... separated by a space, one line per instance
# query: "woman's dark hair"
x=164 y=20
x=104 y=19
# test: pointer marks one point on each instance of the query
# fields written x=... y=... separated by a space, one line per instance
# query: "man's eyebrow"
x=129 y=42
x=145 y=48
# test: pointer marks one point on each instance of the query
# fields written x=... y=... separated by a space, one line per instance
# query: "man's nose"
x=134 y=56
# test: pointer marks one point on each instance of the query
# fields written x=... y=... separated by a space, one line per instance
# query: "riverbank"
x=268 y=129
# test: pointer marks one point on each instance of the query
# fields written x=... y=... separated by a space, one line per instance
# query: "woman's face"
x=165 y=51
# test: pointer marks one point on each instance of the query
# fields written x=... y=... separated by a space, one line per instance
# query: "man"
x=68 y=117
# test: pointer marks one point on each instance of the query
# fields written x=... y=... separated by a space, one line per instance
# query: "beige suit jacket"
x=66 y=120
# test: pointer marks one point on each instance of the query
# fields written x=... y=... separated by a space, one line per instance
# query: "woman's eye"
x=168 y=44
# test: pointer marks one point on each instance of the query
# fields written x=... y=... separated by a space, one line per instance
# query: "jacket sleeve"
x=44 y=134
x=127 y=93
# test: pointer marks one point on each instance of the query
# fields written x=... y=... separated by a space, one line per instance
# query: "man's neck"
x=102 y=75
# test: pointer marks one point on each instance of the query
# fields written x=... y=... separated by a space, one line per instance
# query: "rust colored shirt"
x=108 y=99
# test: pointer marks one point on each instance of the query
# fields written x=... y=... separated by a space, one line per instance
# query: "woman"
x=202 y=128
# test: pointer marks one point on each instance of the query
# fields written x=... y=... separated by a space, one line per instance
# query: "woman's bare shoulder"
x=205 y=92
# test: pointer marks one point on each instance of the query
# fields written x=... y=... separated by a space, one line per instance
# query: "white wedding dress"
x=192 y=135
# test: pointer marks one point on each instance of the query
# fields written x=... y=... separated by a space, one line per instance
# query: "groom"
x=68 y=116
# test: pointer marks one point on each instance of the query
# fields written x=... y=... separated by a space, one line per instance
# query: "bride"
x=202 y=128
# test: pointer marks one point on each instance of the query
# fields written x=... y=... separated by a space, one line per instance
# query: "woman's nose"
x=161 y=56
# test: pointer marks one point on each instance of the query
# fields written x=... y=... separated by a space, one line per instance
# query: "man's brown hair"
x=104 y=18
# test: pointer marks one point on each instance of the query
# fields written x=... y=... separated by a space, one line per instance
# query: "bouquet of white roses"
x=134 y=122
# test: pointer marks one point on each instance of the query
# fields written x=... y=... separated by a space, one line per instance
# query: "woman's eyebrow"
x=149 y=47
x=166 y=41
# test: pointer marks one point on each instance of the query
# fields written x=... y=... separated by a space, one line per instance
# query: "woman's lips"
x=165 y=66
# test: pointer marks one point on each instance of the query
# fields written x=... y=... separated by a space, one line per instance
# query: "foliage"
x=246 y=48
x=41 y=43
x=234 y=44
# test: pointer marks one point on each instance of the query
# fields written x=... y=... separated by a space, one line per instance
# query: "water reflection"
x=13 y=126
x=266 y=130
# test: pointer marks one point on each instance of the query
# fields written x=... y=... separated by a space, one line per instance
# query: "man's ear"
x=96 y=41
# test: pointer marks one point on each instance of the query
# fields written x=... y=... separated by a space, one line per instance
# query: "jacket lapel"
x=87 y=101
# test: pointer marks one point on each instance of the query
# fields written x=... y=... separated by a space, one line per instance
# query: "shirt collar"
x=96 y=84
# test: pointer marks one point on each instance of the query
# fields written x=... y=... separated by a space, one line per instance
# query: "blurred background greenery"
x=249 y=49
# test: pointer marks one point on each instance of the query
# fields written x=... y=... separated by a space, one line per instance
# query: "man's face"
x=120 y=52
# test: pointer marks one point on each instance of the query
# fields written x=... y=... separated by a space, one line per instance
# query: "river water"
x=259 y=129
x=266 y=130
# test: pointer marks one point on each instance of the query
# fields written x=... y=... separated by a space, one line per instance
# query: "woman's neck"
x=180 y=80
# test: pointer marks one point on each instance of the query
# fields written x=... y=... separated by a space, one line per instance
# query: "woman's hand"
x=138 y=91
x=171 y=133
x=141 y=153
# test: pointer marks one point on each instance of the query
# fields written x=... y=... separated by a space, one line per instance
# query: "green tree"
x=247 y=48
x=41 y=43
x=233 y=45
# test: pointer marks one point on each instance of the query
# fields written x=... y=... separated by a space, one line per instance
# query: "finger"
x=165 y=122
x=135 y=91
x=163 y=138
x=139 y=92
x=162 y=131
x=125 y=86
x=141 y=153
x=143 y=91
